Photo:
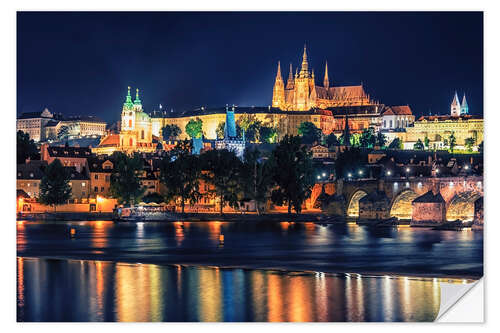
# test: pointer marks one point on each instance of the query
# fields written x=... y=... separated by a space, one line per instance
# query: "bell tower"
x=128 y=113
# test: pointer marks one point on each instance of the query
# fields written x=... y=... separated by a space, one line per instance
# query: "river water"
x=254 y=272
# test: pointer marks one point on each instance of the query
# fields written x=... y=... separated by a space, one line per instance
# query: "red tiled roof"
x=397 y=110
x=111 y=140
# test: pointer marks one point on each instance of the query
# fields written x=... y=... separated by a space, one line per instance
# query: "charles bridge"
x=459 y=194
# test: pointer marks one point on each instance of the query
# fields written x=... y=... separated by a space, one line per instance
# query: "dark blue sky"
x=81 y=63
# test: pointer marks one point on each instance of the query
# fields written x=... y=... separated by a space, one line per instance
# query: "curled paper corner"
x=451 y=295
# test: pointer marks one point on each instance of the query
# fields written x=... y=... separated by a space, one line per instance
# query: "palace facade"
x=439 y=128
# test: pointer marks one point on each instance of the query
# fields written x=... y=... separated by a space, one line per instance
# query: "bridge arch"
x=461 y=206
x=401 y=206
x=353 y=207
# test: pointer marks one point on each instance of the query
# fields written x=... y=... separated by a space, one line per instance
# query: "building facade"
x=34 y=124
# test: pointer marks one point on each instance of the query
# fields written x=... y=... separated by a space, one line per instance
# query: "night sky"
x=82 y=63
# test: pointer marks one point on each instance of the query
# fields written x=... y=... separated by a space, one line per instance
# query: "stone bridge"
x=459 y=193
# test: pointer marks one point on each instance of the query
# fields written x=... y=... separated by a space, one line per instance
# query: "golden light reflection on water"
x=144 y=292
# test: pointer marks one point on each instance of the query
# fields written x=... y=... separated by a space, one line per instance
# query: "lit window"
x=83 y=184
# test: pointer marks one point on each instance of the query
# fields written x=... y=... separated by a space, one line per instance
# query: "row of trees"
x=450 y=142
x=285 y=176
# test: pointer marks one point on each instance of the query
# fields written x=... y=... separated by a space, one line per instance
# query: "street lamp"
x=349 y=175
x=318 y=177
x=323 y=174
x=466 y=167
x=388 y=173
x=360 y=172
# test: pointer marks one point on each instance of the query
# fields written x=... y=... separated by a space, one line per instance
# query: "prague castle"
x=302 y=94
x=300 y=100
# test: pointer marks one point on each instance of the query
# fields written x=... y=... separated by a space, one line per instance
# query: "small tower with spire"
x=290 y=82
x=279 y=89
x=455 y=106
x=304 y=69
x=464 y=107
x=346 y=135
x=326 y=82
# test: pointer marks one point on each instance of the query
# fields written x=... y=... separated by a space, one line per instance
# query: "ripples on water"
x=78 y=290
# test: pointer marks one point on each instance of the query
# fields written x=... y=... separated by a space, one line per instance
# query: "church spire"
x=137 y=100
x=455 y=106
x=290 y=83
x=464 y=107
x=128 y=100
x=278 y=74
x=347 y=134
x=304 y=70
x=326 y=82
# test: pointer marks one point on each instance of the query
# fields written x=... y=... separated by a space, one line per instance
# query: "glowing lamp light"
x=388 y=173
x=407 y=169
x=100 y=199
x=318 y=177
x=323 y=174
x=349 y=174
x=437 y=170
x=360 y=172
x=466 y=167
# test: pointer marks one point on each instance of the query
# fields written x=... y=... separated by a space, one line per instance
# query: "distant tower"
x=290 y=82
x=230 y=126
x=279 y=89
x=464 y=107
x=455 y=106
x=346 y=134
x=326 y=82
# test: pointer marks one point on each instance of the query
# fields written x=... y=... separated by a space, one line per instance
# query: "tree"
x=453 y=141
x=309 y=132
x=223 y=172
x=268 y=134
x=349 y=161
x=180 y=173
x=293 y=173
x=331 y=140
x=63 y=133
x=381 y=139
x=396 y=144
x=368 y=138
x=480 y=147
x=469 y=143
x=256 y=177
x=25 y=147
x=419 y=145
x=170 y=132
x=426 y=142
x=220 y=130
x=153 y=197
x=125 y=184
x=54 y=186
x=194 y=128
x=252 y=134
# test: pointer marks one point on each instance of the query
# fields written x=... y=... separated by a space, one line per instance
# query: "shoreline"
x=282 y=269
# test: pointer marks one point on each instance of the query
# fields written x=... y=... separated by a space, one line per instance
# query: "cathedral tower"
x=326 y=82
x=278 y=90
x=128 y=113
x=455 y=106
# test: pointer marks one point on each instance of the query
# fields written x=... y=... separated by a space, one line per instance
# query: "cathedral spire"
x=290 y=83
x=326 y=82
x=278 y=74
x=304 y=70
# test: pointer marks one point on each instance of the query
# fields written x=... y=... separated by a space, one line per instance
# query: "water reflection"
x=75 y=290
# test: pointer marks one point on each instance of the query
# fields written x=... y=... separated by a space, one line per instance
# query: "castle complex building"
x=136 y=130
x=438 y=129
x=300 y=100
x=302 y=94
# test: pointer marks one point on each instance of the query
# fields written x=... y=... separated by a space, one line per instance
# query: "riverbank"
x=187 y=217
